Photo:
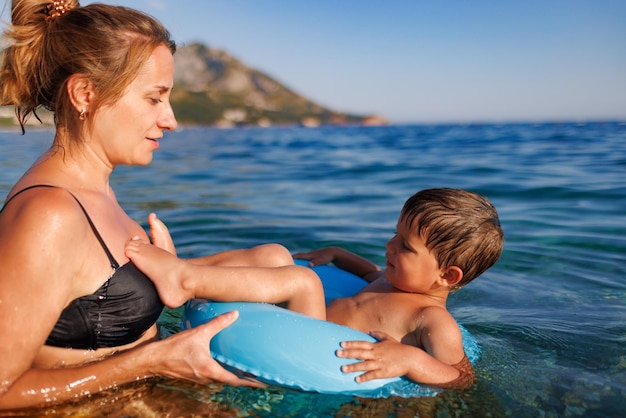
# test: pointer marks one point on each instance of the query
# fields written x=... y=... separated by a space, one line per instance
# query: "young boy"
x=445 y=238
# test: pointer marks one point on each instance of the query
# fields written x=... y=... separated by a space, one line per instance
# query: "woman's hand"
x=186 y=355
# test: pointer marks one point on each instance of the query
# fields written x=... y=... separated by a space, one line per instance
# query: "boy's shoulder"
x=436 y=316
x=436 y=324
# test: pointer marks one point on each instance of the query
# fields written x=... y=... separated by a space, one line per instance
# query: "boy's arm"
x=390 y=358
x=442 y=361
x=466 y=376
x=344 y=260
x=441 y=338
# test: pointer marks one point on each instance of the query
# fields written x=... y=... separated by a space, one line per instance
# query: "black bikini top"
x=118 y=313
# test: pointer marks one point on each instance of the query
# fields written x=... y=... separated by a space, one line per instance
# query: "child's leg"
x=305 y=293
x=273 y=279
x=266 y=255
x=178 y=281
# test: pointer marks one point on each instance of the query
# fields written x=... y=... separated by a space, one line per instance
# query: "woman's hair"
x=459 y=227
x=53 y=40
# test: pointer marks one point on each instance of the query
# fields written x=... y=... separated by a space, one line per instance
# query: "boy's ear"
x=452 y=276
x=81 y=92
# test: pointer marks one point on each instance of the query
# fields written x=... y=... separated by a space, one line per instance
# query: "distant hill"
x=213 y=88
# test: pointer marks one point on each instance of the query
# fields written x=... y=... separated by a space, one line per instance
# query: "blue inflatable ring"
x=285 y=348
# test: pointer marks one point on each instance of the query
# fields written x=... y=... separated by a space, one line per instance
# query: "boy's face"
x=410 y=266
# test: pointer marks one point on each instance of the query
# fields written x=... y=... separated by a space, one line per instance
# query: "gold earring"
x=83 y=114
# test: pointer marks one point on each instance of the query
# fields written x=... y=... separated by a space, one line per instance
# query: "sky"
x=424 y=61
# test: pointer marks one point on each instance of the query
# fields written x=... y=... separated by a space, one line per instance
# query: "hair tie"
x=57 y=8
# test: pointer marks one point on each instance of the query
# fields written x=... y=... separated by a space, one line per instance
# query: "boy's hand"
x=343 y=259
x=317 y=257
x=383 y=359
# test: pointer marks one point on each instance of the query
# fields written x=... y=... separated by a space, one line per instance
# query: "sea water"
x=550 y=316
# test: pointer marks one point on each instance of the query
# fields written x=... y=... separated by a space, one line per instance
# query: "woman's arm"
x=185 y=355
x=37 y=234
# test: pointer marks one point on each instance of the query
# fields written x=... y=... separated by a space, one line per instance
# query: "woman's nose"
x=168 y=120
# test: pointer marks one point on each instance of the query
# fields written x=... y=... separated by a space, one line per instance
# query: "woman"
x=76 y=316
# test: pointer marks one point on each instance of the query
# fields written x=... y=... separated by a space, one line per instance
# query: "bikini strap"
x=114 y=263
x=112 y=260
x=23 y=190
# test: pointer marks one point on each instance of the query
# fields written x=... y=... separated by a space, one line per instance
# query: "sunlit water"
x=550 y=316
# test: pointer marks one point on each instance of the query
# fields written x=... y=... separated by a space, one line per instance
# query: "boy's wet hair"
x=459 y=227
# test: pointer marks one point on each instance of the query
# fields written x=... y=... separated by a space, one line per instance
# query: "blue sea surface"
x=550 y=316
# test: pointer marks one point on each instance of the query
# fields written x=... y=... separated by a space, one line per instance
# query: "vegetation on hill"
x=213 y=88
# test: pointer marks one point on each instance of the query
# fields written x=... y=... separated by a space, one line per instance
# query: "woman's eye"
x=156 y=100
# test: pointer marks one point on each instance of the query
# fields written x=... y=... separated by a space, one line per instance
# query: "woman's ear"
x=452 y=276
x=81 y=92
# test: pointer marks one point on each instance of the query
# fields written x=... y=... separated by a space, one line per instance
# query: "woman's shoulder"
x=38 y=209
x=42 y=235
x=24 y=195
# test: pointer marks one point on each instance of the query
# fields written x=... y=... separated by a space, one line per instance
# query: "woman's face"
x=128 y=131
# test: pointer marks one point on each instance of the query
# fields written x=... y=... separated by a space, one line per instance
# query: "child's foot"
x=160 y=235
x=164 y=269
